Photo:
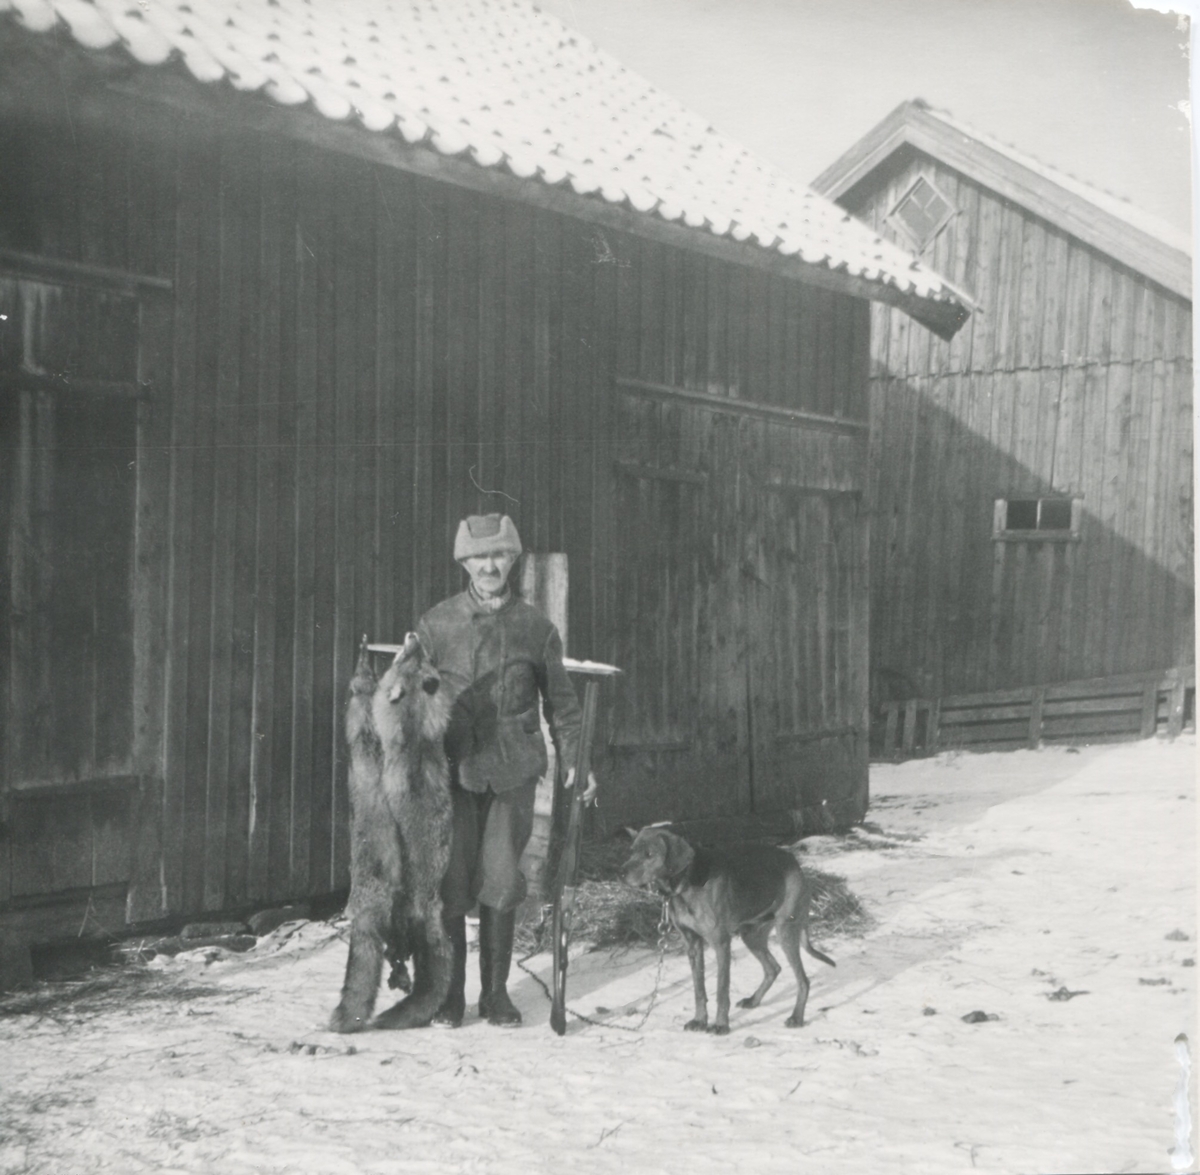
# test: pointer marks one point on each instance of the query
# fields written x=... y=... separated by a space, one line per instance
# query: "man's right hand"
x=589 y=795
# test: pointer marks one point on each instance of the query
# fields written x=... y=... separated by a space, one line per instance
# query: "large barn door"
x=674 y=742
x=739 y=596
x=803 y=591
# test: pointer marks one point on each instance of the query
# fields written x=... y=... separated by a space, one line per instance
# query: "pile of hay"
x=835 y=908
x=608 y=913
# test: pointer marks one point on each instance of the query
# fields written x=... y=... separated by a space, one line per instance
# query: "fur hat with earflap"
x=486 y=534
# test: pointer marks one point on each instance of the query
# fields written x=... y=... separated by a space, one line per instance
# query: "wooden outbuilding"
x=1030 y=478
x=285 y=291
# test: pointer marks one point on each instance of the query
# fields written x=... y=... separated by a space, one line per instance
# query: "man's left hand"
x=589 y=795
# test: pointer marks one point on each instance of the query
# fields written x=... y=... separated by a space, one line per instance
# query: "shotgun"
x=563 y=885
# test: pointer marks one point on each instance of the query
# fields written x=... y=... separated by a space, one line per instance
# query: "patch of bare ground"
x=104 y=990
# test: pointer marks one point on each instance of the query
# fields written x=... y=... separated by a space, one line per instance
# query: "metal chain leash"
x=664 y=934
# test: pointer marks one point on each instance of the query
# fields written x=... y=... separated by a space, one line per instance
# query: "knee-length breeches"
x=490 y=834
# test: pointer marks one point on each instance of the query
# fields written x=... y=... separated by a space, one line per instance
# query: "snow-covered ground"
x=1049 y=889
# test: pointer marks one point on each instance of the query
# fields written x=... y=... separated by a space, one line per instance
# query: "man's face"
x=489 y=573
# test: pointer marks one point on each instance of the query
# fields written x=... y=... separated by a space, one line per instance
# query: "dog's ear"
x=633 y=832
x=679 y=854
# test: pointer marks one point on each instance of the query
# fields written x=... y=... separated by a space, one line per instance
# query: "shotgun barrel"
x=565 y=879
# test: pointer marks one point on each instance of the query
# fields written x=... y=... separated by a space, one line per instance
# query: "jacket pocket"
x=518 y=689
x=515 y=755
x=521 y=745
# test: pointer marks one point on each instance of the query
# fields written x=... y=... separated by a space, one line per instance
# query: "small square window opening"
x=1034 y=518
x=922 y=212
x=1022 y=514
x=1054 y=514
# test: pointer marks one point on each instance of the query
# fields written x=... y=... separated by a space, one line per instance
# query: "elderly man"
x=501 y=656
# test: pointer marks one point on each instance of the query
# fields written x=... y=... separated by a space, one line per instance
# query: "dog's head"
x=657 y=858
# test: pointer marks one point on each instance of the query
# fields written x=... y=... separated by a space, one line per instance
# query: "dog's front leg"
x=722 y=951
x=695 y=949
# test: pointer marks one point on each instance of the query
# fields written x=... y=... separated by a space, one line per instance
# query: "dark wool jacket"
x=498 y=663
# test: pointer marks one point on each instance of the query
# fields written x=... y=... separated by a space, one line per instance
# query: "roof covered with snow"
x=1108 y=223
x=505 y=85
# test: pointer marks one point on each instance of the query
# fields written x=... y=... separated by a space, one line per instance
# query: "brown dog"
x=713 y=894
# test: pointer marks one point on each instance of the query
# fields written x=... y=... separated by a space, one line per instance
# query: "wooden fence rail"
x=1101 y=709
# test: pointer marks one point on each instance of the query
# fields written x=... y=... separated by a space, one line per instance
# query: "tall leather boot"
x=496 y=929
x=450 y=1014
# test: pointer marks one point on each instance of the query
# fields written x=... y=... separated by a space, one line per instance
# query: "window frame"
x=1071 y=534
x=896 y=221
x=42 y=399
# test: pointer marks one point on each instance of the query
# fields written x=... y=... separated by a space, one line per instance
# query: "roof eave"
x=944 y=319
x=944 y=316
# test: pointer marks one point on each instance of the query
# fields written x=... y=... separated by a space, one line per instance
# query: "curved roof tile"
x=502 y=84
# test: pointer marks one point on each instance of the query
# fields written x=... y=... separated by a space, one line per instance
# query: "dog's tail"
x=812 y=950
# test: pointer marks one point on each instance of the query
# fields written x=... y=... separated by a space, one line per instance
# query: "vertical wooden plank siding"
x=401 y=319
x=509 y=384
x=222 y=519
x=267 y=797
x=420 y=328
x=250 y=831
x=345 y=354
x=309 y=253
x=245 y=412
x=353 y=558
x=150 y=637
x=199 y=555
x=185 y=253
x=1057 y=387
x=539 y=422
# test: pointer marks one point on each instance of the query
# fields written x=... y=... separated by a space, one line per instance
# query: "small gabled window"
x=1037 y=518
x=921 y=213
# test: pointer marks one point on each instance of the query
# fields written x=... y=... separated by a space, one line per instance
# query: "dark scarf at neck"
x=490 y=603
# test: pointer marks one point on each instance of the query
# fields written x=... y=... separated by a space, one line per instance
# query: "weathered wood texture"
x=739 y=590
x=1107 y=709
x=1074 y=378
x=352 y=358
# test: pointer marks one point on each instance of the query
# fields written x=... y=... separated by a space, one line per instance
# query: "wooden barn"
x=1030 y=478
x=286 y=291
